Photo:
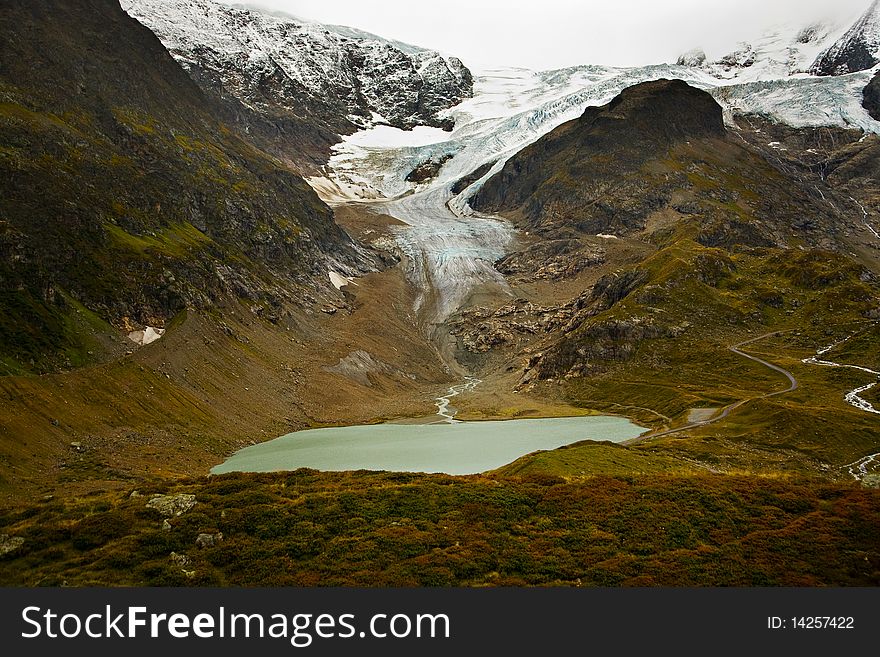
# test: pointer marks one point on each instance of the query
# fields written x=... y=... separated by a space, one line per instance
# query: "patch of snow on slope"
x=386 y=136
x=147 y=335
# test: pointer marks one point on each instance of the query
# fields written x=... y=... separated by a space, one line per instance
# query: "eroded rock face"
x=481 y=330
x=551 y=260
x=363 y=368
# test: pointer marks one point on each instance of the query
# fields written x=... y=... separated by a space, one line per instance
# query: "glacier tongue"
x=804 y=102
x=451 y=249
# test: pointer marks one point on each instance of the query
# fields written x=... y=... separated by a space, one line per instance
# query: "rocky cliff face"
x=295 y=83
x=123 y=200
x=871 y=97
x=856 y=50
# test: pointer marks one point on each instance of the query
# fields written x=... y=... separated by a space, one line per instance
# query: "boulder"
x=172 y=505
x=9 y=544
x=208 y=540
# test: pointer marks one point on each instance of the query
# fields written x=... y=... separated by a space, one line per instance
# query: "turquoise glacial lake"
x=453 y=448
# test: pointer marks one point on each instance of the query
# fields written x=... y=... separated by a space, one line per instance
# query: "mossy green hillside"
x=379 y=529
x=122 y=192
x=665 y=349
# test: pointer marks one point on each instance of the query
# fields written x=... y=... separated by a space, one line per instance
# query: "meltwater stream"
x=442 y=402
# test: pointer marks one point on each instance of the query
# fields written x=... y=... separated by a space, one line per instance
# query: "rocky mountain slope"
x=658 y=147
x=858 y=49
x=871 y=97
x=125 y=201
x=295 y=85
x=128 y=206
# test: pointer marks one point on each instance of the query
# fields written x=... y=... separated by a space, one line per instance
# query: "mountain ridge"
x=294 y=84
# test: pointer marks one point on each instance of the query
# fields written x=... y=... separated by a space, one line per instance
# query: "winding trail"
x=858 y=469
x=727 y=410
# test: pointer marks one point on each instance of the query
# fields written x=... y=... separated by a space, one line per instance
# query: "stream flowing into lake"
x=443 y=410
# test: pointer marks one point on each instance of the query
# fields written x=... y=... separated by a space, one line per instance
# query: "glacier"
x=450 y=248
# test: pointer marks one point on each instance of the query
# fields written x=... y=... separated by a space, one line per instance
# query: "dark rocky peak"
x=660 y=110
x=638 y=123
x=568 y=173
x=657 y=161
x=856 y=50
x=293 y=83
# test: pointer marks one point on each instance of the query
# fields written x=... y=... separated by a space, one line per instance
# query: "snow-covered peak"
x=268 y=61
x=780 y=52
x=695 y=57
x=858 y=49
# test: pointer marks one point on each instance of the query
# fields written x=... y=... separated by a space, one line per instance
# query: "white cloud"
x=555 y=33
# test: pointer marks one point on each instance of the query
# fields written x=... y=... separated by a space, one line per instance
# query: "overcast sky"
x=545 y=34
